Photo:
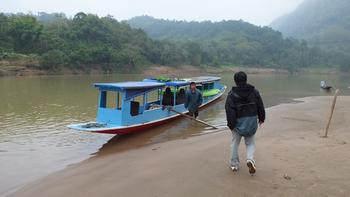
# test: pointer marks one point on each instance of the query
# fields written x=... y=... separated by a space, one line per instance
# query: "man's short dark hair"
x=240 y=78
x=192 y=83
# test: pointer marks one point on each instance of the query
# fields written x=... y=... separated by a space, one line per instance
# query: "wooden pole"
x=185 y=115
x=331 y=113
x=192 y=118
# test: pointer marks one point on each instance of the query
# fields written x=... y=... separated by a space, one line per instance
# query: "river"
x=34 y=112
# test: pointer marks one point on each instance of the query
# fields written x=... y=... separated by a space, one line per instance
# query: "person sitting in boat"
x=168 y=97
x=193 y=100
x=181 y=97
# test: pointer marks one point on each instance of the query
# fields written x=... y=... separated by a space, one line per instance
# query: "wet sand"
x=292 y=160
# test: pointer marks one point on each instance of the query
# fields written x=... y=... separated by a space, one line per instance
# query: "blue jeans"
x=236 y=140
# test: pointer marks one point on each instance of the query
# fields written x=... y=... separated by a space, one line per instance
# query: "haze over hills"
x=238 y=42
x=323 y=23
x=192 y=30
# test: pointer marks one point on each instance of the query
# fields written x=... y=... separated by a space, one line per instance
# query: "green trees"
x=5 y=39
x=192 y=53
x=87 y=41
x=25 y=32
x=53 y=60
x=232 y=43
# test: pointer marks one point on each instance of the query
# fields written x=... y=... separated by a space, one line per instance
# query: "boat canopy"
x=203 y=79
x=176 y=83
x=130 y=85
x=131 y=88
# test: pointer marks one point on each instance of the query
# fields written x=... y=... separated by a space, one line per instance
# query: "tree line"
x=88 y=41
x=241 y=43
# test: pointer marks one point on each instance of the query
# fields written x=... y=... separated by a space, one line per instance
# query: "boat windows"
x=111 y=100
x=208 y=86
x=153 y=96
x=199 y=87
x=153 y=99
x=137 y=104
x=134 y=108
x=144 y=102
x=211 y=86
x=205 y=86
x=138 y=99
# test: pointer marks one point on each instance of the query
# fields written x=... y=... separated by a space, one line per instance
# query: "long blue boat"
x=134 y=106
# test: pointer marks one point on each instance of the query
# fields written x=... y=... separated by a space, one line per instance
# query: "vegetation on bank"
x=54 y=42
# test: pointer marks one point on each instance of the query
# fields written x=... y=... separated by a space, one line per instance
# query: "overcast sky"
x=259 y=12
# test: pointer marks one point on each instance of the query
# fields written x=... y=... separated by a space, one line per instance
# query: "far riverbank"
x=30 y=68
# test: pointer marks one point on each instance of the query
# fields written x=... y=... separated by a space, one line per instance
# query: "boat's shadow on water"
x=180 y=128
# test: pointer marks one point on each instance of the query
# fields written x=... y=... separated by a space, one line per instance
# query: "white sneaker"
x=234 y=168
x=251 y=166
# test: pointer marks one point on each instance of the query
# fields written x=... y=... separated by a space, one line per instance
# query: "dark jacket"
x=168 y=97
x=193 y=100
x=243 y=101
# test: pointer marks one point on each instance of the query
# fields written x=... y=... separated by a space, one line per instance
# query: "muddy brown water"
x=34 y=112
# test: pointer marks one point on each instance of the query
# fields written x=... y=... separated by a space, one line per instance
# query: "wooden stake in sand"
x=331 y=112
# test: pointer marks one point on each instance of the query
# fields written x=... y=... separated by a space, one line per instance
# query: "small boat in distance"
x=127 y=107
x=324 y=85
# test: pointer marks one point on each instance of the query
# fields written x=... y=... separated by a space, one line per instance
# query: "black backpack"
x=247 y=119
x=246 y=106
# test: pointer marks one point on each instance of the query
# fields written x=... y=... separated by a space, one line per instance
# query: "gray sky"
x=259 y=12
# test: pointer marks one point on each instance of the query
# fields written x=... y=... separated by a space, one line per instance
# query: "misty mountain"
x=324 y=23
x=49 y=17
x=234 y=42
x=179 y=30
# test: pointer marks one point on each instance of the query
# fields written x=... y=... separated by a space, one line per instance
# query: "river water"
x=34 y=112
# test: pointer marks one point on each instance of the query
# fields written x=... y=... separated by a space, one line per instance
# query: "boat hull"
x=141 y=127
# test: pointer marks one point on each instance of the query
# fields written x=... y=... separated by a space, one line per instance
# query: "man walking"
x=193 y=100
x=244 y=108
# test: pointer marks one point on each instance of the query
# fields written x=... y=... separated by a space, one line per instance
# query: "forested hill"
x=87 y=41
x=180 y=30
x=237 y=42
x=323 y=23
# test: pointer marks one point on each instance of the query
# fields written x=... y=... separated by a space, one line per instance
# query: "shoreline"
x=170 y=71
x=288 y=144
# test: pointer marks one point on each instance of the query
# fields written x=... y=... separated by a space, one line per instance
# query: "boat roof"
x=129 y=85
x=204 y=79
x=176 y=83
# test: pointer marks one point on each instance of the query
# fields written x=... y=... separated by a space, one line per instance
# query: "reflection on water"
x=34 y=112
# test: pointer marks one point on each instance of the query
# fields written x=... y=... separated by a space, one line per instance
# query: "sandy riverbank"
x=288 y=144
